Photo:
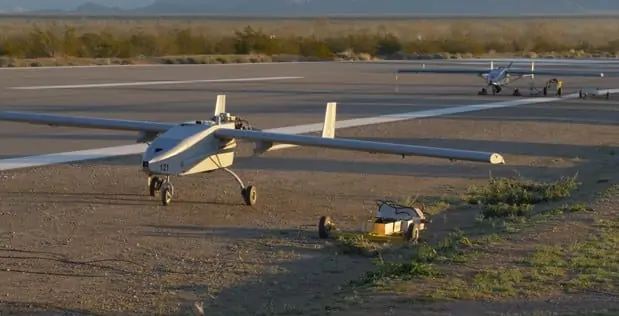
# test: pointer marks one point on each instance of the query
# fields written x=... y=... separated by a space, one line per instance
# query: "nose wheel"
x=166 y=192
x=162 y=186
x=154 y=185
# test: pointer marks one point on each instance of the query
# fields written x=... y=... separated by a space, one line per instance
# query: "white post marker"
x=102 y=153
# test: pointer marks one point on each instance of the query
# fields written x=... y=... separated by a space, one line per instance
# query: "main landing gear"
x=166 y=190
x=495 y=90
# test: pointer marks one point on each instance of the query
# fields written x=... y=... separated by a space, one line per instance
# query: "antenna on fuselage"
x=492 y=65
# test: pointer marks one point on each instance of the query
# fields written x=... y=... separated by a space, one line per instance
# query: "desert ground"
x=86 y=239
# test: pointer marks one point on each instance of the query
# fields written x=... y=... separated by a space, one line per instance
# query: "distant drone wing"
x=565 y=73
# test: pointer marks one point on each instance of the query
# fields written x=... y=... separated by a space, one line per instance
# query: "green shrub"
x=504 y=197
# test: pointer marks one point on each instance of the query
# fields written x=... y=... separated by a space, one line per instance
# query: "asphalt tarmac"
x=269 y=101
x=207 y=245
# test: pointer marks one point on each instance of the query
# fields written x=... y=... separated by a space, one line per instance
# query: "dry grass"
x=137 y=41
x=503 y=256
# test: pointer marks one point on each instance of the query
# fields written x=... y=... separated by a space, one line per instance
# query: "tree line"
x=68 y=42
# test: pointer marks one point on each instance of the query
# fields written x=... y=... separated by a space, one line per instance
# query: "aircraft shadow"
x=567 y=151
x=31 y=308
x=111 y=199
x=319 y=275
x=47 y=262
x=405 y=169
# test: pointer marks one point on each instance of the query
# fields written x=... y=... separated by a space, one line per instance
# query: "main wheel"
x=249 y=195
x=325 y=225
x=154 y=186
x=166 y=192
x=412 y=234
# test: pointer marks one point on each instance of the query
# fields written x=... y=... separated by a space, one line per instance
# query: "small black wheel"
x=250 y=195
x=154 y=186
x=325 y=225
x=166 y=194
x=412 y=234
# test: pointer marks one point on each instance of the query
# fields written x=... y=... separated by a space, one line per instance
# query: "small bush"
x=503 y=197
x=421 y=262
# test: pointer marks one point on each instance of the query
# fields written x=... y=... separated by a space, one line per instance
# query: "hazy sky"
x=67 y=4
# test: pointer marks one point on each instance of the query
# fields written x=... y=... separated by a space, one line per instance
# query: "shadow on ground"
x=302 y=285
x=11 y=308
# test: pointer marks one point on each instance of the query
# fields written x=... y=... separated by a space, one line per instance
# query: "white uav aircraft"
x=496 y=78
x=205 y=146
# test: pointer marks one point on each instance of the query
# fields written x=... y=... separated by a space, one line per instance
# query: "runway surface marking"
x=108 y=152
x=149 y=83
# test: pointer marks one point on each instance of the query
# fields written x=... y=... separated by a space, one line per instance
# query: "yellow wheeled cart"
x=393 y=222
x=553 y=84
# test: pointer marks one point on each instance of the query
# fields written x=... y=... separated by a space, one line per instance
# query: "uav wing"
x=87 y=122
x=565 y=73
x=265 y=141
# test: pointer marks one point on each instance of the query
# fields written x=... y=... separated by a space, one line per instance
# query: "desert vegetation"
x=45 y=42
x=460 y=266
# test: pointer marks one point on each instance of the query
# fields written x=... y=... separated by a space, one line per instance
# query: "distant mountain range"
x=314 y=7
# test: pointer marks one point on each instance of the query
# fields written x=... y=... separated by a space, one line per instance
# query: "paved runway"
x=269 y=95
x=207 y=243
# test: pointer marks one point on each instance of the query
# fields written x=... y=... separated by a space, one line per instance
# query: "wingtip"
x=497 y=159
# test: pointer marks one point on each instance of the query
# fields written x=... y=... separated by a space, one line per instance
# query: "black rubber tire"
x=250 y=195
x=324 y=227
x=408 y=236
x=153 y=188
x=166 y=196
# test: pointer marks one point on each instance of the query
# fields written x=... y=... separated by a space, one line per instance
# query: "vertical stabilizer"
x=492 y=65
x=220 y=106
x=328 y=129
x=532 y=70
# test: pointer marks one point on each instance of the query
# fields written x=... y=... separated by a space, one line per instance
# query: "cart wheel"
x=412 y=234
x=325 y=225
